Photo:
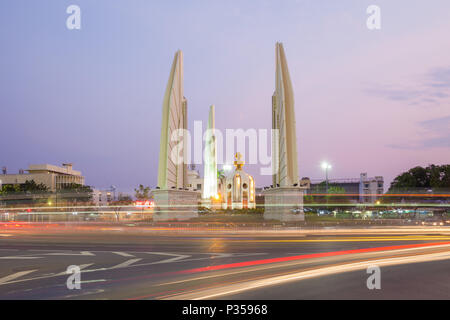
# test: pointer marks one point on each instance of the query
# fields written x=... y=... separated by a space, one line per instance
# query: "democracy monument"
x=176 y=199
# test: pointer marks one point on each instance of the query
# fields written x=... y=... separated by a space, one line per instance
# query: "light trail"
x=238 y=287
x=309 y=256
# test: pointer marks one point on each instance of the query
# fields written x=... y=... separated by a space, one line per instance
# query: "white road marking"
x=82 y=266
x=125 y=264
x=82 y=253
x=123 y=254
x=16 y=275
x=84 y=293
x=176 y=257
x=19 y=257
x=222 y=255
x=90 y=281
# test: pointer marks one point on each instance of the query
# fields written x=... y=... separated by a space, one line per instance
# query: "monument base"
x=175 y=204
x=211 y=204
x=284 y=204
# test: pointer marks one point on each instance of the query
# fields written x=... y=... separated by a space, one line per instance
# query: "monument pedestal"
x=284 y=204
x=175 y=204
x=211 y=204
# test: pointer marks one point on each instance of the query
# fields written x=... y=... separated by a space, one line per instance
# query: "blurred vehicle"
x=91 y=217
x=434 y=221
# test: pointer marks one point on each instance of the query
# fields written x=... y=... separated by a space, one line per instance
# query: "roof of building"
x=66 y=169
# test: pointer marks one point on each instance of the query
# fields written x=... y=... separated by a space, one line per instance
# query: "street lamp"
x=326 y=167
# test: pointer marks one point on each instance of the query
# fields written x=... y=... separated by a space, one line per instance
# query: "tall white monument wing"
x=284 y=148
x=172 y=169
x=210 y=156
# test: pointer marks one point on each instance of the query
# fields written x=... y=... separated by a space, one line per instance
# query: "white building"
x=102 y=197
x=54 y=177
x=370 y=189
x=194 y=180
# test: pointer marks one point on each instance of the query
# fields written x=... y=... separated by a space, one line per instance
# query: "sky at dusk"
x=365 y=101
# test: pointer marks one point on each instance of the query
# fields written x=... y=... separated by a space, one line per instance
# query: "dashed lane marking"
x=126 y=263
x=19 y=257
x=90 y=281
x=82 y=253
x=176 y=257
x=16 y=275
x=123 y=254
x=82 y=266
x=132 y=262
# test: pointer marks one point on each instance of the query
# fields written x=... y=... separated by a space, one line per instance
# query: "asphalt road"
x=125 y=264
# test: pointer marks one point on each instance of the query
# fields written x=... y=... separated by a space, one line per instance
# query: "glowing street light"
x=227 y=167
x=326 y=166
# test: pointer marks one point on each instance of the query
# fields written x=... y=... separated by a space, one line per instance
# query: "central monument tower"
x=210 y=169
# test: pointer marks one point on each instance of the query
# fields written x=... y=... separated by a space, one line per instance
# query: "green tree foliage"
x=308 y=199
x=10 y=189
x=142 y=193
x=74 y=192
x=26 y=193
x=412 y=184
x=124 y=198
x=431 y=177
x=30 y=186
x=336 y=194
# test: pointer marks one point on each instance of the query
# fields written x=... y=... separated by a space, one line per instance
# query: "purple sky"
x=366 y=101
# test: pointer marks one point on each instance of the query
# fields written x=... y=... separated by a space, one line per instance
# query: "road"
x=127 y=263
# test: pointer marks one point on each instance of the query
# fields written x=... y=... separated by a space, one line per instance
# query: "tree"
x=334 y=194
x=26 y=193
x=418 y=177
x=142 y=193
x=308 y=199
x=124 y=198
x=10 y=189
x=74 y=192
x=429 y=181
x=30 y=186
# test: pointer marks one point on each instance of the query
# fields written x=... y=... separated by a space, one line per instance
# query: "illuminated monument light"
x=173 y=200
x=284 y=200
x=210 y=157
x=239 y=188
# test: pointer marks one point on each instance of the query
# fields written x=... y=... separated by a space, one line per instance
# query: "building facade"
x=103 y=197
x=194 y=180
x=363 y=190
x=53 y=177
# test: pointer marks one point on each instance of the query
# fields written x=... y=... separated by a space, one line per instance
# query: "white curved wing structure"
x=172 y=169
x=284 y=143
